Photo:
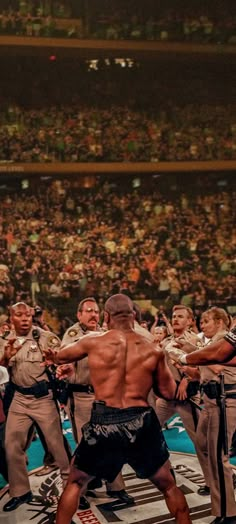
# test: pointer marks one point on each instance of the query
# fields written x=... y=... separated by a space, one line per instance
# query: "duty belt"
x=81 y=388
x=212 y=390
x=40 y=389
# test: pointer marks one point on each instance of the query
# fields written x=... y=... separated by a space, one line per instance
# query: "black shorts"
x=114 y=437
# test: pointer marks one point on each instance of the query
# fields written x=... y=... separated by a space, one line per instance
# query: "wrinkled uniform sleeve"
x=72 y=334
x=51 y=341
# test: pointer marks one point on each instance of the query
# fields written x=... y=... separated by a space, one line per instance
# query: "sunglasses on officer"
x=91 y=310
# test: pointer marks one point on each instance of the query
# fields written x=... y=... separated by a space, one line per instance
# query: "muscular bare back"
x=123 y=366
x=126 y=361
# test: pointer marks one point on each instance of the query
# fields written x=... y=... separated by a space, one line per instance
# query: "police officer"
x=218 y=419
x=216 y=423
x=81 y=392
x=33 y=401
x=49 y=463
x=182 y=318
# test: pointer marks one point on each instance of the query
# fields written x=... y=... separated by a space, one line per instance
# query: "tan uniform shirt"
x=208 y=374
x=81 y=373
x=175 y=372
x=142 y=331
x=25 y=366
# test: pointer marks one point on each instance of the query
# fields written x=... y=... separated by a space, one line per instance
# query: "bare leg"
x=174 y=498
x=69 y=501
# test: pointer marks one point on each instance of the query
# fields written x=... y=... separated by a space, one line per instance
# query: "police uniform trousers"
x=79 y=413
x=24 y=410
x=215 y=464
x=188 y=413
x=3 y=462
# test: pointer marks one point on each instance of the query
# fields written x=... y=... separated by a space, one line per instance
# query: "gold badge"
x=53 y=342
x=72 y=332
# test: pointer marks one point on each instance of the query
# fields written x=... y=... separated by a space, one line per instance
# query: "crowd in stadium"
x=166 y=239
x=119 y=21
x=76 y=111
x=119 y=134
x=70 y=242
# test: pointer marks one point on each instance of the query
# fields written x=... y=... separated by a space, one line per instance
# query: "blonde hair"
x=163 y=329
x=188 y=309
x=217 y=313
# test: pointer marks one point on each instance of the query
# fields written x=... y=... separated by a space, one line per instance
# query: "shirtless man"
x=123 y=427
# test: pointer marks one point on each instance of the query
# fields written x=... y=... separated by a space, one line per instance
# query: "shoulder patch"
x=53 y=341
x=72 y=332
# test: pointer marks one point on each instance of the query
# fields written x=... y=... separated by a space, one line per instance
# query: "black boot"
x=17 y=501
x=204 y=490
x=121 y=495
x=84 y=503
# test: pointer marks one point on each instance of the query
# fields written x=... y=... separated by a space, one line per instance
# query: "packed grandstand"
x=117 y=177
x=159 y=237
x=201 y=21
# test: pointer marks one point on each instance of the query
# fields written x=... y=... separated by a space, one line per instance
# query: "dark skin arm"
x=217 y=352
x=75 y=351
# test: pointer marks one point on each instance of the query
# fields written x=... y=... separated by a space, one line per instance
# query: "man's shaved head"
x=119 y=305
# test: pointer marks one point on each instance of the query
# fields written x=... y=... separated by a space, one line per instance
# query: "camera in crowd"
x=161 y=321
x=37 y=316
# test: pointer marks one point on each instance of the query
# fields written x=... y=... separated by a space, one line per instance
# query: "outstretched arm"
x=75 y=351
x=221 y=351
x=152 y=330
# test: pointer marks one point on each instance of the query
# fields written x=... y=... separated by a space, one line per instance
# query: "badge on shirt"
x=34 y=347
x=72 y=332
x=53 y=342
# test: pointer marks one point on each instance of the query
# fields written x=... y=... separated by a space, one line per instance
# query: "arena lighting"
x=89 y=181
x=25 y=183
x=92 y=64
x=136 y=182
x=222 y=183
x=122 y=62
